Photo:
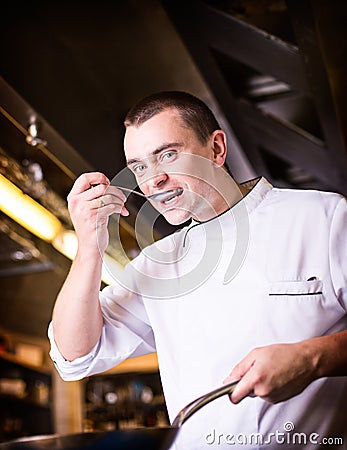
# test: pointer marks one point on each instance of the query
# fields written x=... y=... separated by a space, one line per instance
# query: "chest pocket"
x=296 y=288
x=296 y=310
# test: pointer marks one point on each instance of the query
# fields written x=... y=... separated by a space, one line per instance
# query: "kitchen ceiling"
x=76 y=67
x=271 y=70
x=278 y=70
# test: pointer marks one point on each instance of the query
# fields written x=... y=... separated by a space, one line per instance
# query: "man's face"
x=165 y=154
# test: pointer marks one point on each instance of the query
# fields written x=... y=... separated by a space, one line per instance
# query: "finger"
x=101 y=190
x=103 y=202
x=243 y=389
x=87 y=180
x=241 y=372
x=240 y=369
x=110 y=209
x=124 y=211
x=91 y=193
x=116 y=196
x=113 y=190
x=110 y=204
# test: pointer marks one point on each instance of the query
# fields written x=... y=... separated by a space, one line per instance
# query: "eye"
x=139 y=169
x=168 y=156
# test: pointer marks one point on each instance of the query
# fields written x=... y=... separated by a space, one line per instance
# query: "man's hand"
x=275 y=372
x=91 y=201
x=77 y=316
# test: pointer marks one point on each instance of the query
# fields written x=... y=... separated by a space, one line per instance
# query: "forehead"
x=163 y=128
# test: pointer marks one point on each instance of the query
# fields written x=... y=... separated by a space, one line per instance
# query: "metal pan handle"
x=198 y=403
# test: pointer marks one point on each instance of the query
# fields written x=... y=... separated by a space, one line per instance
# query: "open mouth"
x=172 y=196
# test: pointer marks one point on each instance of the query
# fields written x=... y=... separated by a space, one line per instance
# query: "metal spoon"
x=158 y=197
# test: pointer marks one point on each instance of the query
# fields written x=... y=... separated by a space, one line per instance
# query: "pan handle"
x=198 y=403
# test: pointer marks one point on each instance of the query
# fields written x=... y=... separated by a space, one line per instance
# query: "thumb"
x=124 y=211
x=244 y=386
x=243 y=389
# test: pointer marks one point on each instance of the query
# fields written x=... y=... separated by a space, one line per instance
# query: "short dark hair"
x=193 y=112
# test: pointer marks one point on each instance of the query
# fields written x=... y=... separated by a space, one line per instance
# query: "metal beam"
x=27 y=268
x=251 y=46
x=204 y=29
x=321 y=35
x=295 y=146
x=195 y=43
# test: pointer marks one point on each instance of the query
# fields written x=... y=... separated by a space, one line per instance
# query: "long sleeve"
x=126 y=332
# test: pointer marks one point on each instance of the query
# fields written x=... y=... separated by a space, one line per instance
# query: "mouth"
x=172 y=196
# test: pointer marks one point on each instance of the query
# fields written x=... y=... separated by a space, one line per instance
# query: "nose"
x=157 y=180
x=154 y=181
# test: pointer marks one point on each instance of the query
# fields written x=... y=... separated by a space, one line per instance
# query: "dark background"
x=273 y=71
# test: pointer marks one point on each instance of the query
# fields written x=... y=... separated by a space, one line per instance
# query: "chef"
x=252 y=288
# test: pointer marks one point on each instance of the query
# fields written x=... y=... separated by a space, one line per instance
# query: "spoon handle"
x=132 y=191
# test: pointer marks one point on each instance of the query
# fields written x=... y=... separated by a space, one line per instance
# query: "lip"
x=172 y=202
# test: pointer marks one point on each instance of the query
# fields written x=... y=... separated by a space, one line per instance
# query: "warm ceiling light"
x=66 y=243
x=27 y=212
x=41 y=222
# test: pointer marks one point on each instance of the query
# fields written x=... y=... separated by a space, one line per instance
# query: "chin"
x=176 y=217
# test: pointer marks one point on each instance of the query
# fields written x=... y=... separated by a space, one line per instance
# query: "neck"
x=223 y=196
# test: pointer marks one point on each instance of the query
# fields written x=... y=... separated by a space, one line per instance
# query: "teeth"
x=170 y=199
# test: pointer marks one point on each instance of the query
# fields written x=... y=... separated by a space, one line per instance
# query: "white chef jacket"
x=272 y=269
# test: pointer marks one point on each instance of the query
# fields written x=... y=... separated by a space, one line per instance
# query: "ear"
x=219 y=147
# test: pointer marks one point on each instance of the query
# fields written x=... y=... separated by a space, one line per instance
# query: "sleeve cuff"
x=69 y=370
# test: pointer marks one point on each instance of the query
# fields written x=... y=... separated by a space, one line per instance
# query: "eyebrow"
x=158 y=150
